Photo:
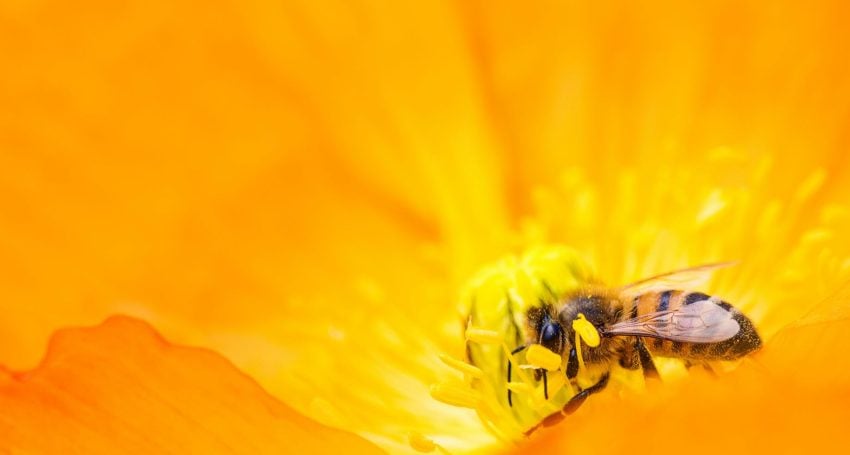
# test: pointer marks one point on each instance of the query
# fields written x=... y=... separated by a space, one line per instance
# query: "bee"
x=594 y=327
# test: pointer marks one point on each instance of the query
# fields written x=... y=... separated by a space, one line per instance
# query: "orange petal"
x=121 y=387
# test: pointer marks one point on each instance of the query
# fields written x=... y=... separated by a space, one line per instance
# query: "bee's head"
x=550 y=334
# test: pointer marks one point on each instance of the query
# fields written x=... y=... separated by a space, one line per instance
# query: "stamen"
x=463 y=367
x=491 y=414
x=455 y=395
x=520 y=371
x=484 y=336
x=520 y=387
x=541 y=357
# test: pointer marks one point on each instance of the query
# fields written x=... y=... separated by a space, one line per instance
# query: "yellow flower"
x=307 y=188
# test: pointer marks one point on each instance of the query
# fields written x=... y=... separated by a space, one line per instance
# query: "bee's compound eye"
x=549 y=331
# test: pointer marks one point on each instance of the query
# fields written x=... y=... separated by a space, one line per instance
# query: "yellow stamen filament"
x=455 y=395
x=541 y=357
x=484 y=336
x=491 y=412
x=520 y=371
x=463 y=367
x=481 y=396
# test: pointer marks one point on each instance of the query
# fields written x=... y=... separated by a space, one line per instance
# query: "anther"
x=484 y=336
x=463 y=367
x=454 y=395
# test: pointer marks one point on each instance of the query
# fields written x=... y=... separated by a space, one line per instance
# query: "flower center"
x=511 y=382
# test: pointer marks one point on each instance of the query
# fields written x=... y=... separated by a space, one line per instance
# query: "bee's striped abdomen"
x=742 y=343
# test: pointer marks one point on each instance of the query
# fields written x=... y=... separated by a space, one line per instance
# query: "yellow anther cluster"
x=494 y=306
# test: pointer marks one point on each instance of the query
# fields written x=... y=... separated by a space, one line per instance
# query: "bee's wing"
x=689 y=278
x=703 y=321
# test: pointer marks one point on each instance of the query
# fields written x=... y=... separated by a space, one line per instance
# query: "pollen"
x=578 y=352
x=586 y=330
x=539 y=356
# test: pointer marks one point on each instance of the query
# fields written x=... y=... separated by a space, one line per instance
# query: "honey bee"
x=593 y=328
x=597 y=326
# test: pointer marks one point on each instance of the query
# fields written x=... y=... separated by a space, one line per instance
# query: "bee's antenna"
x=519 y=349
x=545 y=385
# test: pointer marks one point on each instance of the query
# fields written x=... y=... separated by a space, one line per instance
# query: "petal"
x=633 y=86
x=742 y=413
x=120 y=387
x=812 y=353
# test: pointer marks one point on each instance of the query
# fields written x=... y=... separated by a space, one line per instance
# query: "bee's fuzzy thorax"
x=601 y=310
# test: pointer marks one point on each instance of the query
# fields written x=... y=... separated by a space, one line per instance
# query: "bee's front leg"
x=572 y=405
x=579 y=398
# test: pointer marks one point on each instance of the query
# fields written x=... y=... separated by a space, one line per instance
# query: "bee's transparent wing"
x=703 y=321
x=689 y=278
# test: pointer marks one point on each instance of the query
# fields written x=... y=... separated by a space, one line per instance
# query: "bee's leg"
x=572 y=405
x=519 y=349
x=705 y=365
x=572 y=365
x=541 y=374
x=649 y=370
x=579 y=398
x=629 y=358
